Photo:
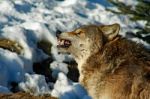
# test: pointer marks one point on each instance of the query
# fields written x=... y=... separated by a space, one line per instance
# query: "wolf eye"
x=79 y=32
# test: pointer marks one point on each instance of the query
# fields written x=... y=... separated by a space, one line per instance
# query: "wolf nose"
x=58 y=32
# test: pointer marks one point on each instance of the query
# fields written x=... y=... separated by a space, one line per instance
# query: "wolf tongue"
x=66 y=42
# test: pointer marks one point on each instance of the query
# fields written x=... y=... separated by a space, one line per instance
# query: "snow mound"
x=58 y=67
x=11 y=68
x=34 y=84
x=4 y=90
x=65 y=89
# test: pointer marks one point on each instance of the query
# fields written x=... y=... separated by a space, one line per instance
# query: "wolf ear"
x=110 y=31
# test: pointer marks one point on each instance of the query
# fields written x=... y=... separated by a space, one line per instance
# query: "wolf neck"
x=112 y=53
x=81 y=58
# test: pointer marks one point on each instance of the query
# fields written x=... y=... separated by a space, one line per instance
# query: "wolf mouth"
x=63 y=43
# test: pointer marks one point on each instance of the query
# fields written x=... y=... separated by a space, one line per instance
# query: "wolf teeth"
x=63 y=43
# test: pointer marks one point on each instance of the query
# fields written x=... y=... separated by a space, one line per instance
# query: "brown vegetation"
x=22 y=95
x=10 y=45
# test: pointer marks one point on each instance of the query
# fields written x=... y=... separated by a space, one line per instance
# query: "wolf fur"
x=110 y=66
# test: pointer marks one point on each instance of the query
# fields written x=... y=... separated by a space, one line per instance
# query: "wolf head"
x=86 y=40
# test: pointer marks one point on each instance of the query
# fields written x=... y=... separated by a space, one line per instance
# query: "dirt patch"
x=10 y=45
x=22 y=95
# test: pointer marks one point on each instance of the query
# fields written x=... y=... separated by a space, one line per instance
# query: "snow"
x=129 y=2
x=65 y=89
x=34 y=84
x=58 y=67
x=11 y=68
x=4 y=89
x=30 y=21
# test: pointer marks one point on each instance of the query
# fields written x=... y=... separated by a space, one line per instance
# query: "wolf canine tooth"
x=63 y=42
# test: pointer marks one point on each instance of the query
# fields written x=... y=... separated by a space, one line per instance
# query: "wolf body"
x=110 y=66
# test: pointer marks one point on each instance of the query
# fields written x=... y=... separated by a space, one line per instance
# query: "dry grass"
x=10 y=45
x=22 y=95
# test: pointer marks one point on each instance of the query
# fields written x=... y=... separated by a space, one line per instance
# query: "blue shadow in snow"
x=78 y=92
x=81 y=14
x=91 y=5
x=23 y=8
x=1 y=26
x=12 y=18
x=105 y=3
x=30 y=36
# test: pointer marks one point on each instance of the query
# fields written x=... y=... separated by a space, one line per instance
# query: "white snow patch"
x=129 y=2
x=6 y=7
x=34 y=84
x=65 y=89
x=58 y=67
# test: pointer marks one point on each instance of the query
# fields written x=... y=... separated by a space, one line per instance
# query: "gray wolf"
x=110 y=66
